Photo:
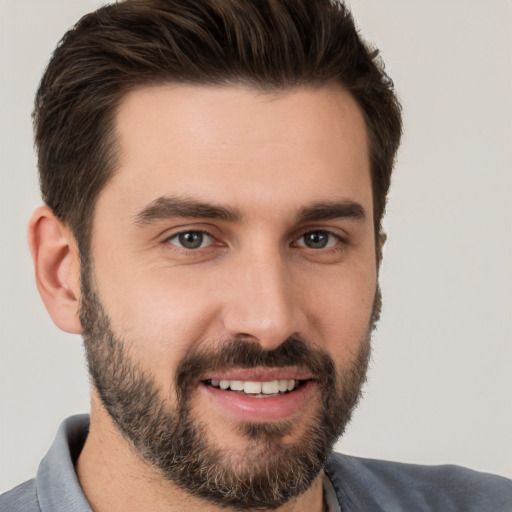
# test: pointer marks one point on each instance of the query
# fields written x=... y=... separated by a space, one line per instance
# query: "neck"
x=114 y=478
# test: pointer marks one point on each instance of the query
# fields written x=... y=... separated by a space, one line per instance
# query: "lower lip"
x=257 y=409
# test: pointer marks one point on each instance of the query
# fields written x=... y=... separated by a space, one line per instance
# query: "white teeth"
x=236 y=385
x=253 y=388
x=283 y=385
x=256 y=388
x=270 y=388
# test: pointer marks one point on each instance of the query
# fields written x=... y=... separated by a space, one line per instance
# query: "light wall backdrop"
x=440 y=384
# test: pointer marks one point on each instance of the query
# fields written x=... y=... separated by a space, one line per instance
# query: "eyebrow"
x=182 y=207
x=344 y=209
x=169 y=207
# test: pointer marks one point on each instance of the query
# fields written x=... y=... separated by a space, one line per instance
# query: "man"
x=215 y=176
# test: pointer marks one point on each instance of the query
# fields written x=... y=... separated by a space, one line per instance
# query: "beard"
x=269 y=471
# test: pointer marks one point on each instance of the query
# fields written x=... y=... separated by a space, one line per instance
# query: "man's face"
x=232 y=280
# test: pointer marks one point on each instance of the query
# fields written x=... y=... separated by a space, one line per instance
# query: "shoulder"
x=22 y=498
x=383 y=485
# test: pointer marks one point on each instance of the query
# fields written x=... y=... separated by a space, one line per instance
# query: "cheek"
x=160 y=316
x=341 y=312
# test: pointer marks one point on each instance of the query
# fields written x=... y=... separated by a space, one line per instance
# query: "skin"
x=265 y=156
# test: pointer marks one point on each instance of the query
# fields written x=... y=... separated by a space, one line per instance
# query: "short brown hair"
x=267 y=44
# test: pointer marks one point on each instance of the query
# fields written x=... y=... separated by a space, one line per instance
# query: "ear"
x=57 y=268
x=381 y=240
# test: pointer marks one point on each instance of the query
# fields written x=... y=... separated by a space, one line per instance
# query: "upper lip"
x=260 y=374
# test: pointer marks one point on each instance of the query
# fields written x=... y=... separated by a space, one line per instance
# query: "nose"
x=264 y=303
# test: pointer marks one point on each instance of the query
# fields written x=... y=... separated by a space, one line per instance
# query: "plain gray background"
x=440 y=385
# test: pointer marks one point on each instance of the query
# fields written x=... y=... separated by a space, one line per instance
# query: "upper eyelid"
x=182 y=231
x=178 y=230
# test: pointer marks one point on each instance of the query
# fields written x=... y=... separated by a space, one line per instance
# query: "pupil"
x=316 y=239
x=191 y=240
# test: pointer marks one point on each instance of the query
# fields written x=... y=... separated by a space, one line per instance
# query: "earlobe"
x=57 y=268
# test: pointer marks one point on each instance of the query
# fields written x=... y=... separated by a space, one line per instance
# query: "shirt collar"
x=330 y=498
x=58 y=488
x=57 y=485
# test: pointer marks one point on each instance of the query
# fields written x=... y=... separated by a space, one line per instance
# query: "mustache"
x=239 y=353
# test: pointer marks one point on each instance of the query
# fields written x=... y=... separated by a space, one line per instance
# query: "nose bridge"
x=264 y=306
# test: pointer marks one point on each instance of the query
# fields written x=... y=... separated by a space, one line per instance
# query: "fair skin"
x=270 y=160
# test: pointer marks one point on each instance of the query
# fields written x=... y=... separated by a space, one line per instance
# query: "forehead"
x=241 y=145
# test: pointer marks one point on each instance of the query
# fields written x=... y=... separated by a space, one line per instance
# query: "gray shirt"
x=359 y=484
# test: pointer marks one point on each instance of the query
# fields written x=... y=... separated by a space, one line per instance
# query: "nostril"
x=264 y=316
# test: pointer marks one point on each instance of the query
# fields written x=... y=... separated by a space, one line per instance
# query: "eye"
x=191 y=239
x=318 y=239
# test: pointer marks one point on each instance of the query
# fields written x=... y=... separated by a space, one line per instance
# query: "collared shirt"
x=56 y=487
x=351 y=483
x=330 y=499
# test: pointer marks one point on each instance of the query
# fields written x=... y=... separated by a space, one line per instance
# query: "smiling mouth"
x=257 y=389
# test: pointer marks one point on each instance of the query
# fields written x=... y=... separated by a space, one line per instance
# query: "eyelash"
x=200 y=232
x=321 y=232
x=332 y=237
